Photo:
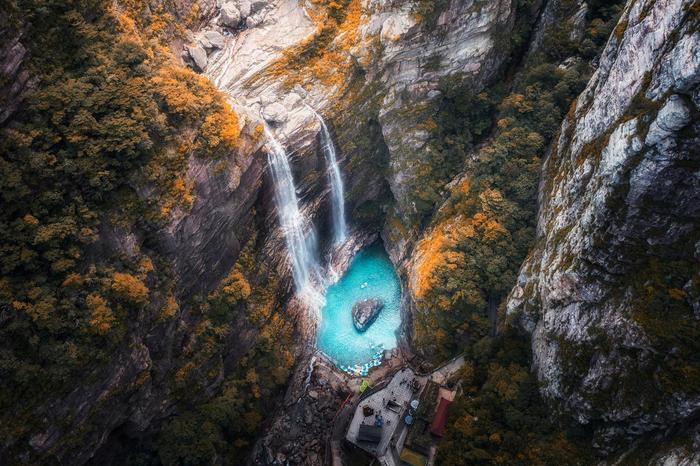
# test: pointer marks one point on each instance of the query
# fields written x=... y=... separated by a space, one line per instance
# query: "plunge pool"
x=370 y=275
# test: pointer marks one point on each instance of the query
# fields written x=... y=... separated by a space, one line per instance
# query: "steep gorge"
x=400 y=84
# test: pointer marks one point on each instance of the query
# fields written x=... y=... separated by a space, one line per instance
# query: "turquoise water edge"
x=370 y=275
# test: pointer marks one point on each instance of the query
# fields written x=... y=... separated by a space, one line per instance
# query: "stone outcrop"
x=15 y=78
x=211 y=40
x=365 y=312
x=618 y=230
x=229 y=16
x=198 y=56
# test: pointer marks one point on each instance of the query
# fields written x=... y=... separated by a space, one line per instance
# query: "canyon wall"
x=618 y=219
x=610 y=293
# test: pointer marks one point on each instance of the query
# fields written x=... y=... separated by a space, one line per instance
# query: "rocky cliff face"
x=388 y=76
x=16 y=78
x=610 y=293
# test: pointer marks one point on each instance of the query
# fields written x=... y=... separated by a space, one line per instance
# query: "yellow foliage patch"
x=677 y=294
x=29 y=219
x=146 y=265
x=236 y=287
x=437 y=250
x=324 y=56
x=101 y=316
x=73 y=279
x=129 y=287
x=221 y=128
x=170 y=307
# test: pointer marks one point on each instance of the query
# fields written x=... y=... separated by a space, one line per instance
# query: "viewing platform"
x=402 y=422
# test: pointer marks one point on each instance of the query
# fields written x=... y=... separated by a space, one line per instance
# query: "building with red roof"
x=437 y=427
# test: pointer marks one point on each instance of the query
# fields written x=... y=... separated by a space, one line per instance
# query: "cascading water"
x=299 y=237
x=336 y=183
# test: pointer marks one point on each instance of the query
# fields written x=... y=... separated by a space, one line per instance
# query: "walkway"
x=443 y=373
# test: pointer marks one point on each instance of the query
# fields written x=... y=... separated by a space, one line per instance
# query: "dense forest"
x=113 y=113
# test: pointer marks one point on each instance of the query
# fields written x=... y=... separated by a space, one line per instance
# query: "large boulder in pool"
x=365 y=312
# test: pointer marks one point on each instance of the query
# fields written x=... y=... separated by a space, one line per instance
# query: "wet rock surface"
x=365 y=312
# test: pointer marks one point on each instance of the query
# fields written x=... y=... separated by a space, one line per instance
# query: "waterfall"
x=336 y=183
x=299 y=237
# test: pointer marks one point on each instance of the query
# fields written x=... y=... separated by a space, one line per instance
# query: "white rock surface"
x=275 y=113
x=244 y=7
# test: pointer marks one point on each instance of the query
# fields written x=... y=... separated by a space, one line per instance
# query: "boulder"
x=365 y=312
x=253 y=21
x=257 y=6
x=275 y=113
x=244 y=6
x=204 y=42
x=230 y=15
x=212 y=40
x=198 y=56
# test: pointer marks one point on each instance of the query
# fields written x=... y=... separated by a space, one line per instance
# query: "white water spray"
x=307 y=380
x=336 y=183
x=299 y=237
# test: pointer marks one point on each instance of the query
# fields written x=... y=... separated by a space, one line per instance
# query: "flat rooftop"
x=397 y=393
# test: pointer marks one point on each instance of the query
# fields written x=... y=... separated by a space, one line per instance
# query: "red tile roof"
x=438 y=426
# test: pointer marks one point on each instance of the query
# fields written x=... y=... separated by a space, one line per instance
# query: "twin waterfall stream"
x=336 y=182
x=370 y=274
x=299 y=233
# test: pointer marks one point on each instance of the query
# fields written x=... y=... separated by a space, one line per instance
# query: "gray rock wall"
x=610 y=292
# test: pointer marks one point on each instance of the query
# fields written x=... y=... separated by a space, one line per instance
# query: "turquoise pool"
x=371 y=274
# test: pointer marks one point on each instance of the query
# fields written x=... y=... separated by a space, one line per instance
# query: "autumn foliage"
x=93 y=162
x=129 y=288
x=325 y=56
